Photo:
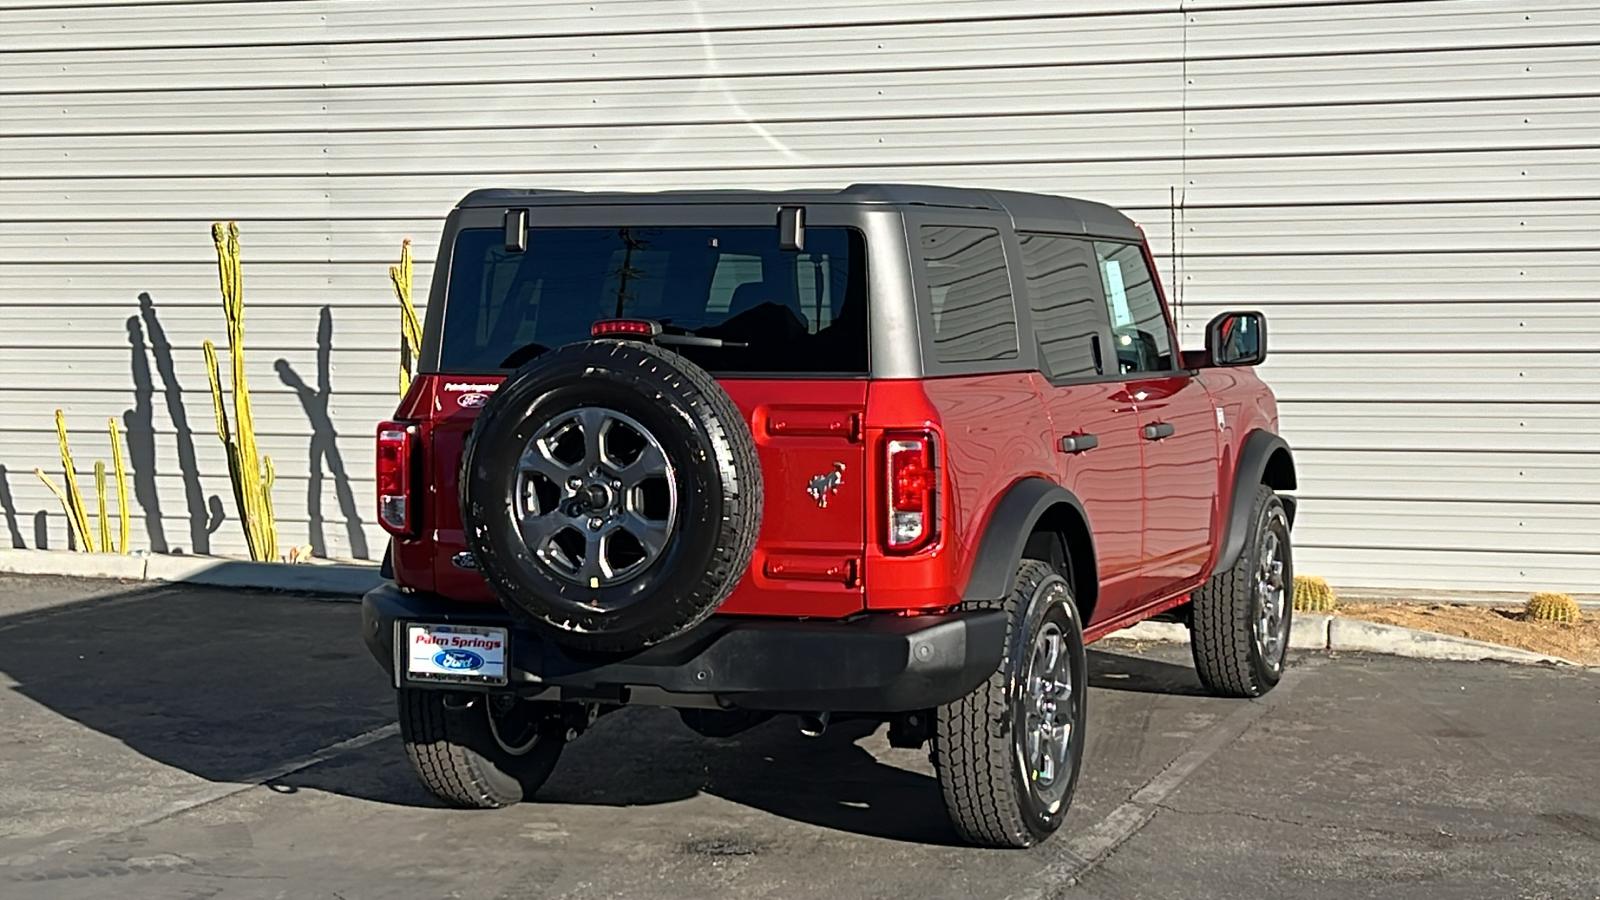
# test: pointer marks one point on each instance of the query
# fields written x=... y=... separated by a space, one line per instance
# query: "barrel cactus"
x=1551 y=607
x=1312 y=594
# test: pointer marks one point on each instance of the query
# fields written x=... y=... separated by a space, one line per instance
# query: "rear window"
x=793 y=312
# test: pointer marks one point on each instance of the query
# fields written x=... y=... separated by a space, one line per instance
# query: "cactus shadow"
x=324 y=458
x=152 y=357
x=9 y=505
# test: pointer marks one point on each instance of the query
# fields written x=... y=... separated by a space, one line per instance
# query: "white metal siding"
x=1411 y=190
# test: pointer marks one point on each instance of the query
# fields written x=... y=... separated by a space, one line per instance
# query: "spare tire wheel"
x=611 y=494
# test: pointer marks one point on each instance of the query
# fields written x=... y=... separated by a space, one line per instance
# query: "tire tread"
x=972 y=744
x=446 y=767
x=1222 y=641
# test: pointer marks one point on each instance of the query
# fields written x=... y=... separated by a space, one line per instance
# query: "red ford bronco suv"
x=890 y=452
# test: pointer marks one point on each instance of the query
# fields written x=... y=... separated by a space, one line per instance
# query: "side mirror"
x=1236 y=339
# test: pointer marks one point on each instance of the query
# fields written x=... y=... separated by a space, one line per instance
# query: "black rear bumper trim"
x=873 y=663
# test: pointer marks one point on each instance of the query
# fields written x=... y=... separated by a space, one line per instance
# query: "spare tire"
x=611 y=494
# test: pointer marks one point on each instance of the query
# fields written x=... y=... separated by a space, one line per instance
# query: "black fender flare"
x=1255 y=456
x=1005 y=536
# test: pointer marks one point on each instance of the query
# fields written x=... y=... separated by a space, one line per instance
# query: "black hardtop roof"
x=1029 y=212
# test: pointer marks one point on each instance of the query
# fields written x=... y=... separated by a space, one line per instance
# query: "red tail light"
x=912 y=477
x=396 y=447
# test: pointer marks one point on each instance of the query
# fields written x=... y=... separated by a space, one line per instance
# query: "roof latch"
x=516 y=230
x=791 y=228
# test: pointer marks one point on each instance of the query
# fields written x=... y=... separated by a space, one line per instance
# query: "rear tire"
x=1241 y=618
x=1004 y=783
x=472 y=758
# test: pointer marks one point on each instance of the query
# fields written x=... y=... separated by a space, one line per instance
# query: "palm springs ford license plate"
x=458 y=654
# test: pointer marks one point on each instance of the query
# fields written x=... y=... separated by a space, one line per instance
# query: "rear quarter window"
x=974 y=316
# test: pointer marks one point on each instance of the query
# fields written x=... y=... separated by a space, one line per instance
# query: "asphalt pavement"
x=183 y=742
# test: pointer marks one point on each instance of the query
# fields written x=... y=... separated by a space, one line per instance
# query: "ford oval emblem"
x=472 y=400
x=458 y=660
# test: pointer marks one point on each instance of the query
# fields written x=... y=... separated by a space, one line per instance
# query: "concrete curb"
x=1357 y=635
x=1318 y=632
x=342 y=579
x=1464 y=598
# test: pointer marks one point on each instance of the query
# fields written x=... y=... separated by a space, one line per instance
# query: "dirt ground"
x=1503 y=625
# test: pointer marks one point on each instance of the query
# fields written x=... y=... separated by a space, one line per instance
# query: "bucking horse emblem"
x=826 y=484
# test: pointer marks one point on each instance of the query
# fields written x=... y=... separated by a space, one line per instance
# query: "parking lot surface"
x=181 y=742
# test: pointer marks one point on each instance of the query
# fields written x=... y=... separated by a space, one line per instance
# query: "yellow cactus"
x=72 y=501
x=1312 y=594
x=1552 y=607
x=77 y=514
x=251 y=490
x=271 y=518
x=100 y=493
x=122 y=489
x=66 y=506
x=410 y=325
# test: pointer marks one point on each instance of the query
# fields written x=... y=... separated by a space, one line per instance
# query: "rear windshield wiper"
x=651 y=330
x=695 y=340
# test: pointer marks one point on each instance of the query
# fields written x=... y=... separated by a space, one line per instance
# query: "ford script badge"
x=472 y=400
x=458 y=660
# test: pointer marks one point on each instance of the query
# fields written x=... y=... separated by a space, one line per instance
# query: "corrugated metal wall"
x=1410 y=189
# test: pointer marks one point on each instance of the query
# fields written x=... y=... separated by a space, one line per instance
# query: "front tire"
x=1008 y=753
x=1241 y=617
x=479 y=751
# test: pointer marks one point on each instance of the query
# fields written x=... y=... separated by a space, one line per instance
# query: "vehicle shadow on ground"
x=221 y=683
x=831 y=781
x=646 y=757
x=1113 y=671
x=227 y=683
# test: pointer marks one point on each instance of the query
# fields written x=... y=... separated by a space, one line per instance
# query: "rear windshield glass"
x=793 y=312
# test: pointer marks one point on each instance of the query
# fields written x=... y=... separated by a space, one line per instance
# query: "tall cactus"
x=252 y=490
x=410 y=326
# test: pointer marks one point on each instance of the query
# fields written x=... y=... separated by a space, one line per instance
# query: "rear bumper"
x=875 y=663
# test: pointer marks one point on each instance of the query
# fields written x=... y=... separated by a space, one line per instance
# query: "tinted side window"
x=1138 y=325
x=973 y=315
x=1064 y=294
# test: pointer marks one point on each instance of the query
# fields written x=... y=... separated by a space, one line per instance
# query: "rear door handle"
x=1078 y=443
x=1158 y=431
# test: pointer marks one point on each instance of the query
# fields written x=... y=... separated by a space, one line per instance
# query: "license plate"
x=456 y=654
